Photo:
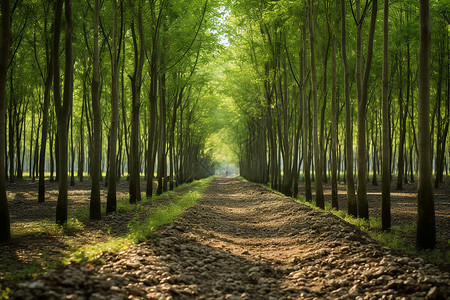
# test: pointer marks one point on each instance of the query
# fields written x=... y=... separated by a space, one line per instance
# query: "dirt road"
x=241 y=241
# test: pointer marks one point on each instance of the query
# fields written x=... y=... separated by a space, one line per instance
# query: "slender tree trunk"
x=72 y=153
x=5 y=232
x=112 y=181
x=426 y=228
x=63 y=110
x=400 y=161
x=162 y=135
x=334 y=130
x=386 y=170
x=136 y=81
x=81 y=145
x=363 y=208
x=12 y=106
x=351 y=199
x=305 y=150
x=95 y=206
x=317 y=155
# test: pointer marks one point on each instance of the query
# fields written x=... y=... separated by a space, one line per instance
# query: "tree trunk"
x=386 y=170
x=136 y=81
x=63 y=109
x=81 y=145
x=95 y=206
x=351 y=199
x=5 y=232
x=334 y=131
x=72 y=153
x=11 y=115
x=305 y=100
x=426 y=229
x=317 y=155
x=112 y=181
x=363 y=208
x=162 y=135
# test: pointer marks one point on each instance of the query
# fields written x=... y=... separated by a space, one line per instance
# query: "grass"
x=392 y=239
x=140 y=229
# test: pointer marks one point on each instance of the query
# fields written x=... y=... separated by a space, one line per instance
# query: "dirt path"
x=241 y=241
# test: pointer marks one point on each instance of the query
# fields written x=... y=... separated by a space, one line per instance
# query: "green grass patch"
x=141 y=229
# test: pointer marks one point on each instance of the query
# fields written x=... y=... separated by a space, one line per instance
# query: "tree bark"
x=426 y=229
x=63 y=110
x=334 y=131
x=351 y=199
x=386 y=170
x=111 y=201
x=363 y=208
x=305 y=150
x=317 y=154
x=136 y=82
x=5 y=232
x=95 y=206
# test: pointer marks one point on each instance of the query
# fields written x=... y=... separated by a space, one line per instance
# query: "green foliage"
x=4 y=294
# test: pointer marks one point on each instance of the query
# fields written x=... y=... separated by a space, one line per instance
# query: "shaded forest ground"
x=403 y=208
x=38 y=244
x=242 y=241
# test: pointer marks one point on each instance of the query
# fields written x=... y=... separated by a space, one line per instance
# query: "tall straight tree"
x=386 y=169
x=362 y=83
x=334 y=130
x=305 y=119
x=95 y=206
x=426 y=229
x=63 y=109
x=317 y=155
x=136 y=82
x=5 y=232
x=115 y=52
x=47 y=88
x=351 y=198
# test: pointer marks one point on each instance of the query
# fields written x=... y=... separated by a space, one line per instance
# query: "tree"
x=317 y=155
x=351 y=199
x=5 y=232
x=136 y=83
x=95 y=207
x=426 y=229
x=362 y=82
x=115 y=54
x=63 y=110
x=386 y=170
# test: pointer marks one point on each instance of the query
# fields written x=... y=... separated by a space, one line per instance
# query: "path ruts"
x=241 y=241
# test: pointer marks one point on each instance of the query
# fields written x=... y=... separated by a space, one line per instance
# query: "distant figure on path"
x=226 y=173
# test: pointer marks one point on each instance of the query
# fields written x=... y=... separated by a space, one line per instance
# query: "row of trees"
x=133 y=99
x=323 y=73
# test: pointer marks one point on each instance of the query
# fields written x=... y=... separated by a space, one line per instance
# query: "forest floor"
x=242 y=241
x=403 y=209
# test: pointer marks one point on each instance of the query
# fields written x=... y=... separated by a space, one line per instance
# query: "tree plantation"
x=111 y=107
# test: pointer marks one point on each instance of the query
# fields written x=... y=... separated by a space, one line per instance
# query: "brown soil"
x=29 y=249
x=241 y=241
x=403 y=207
